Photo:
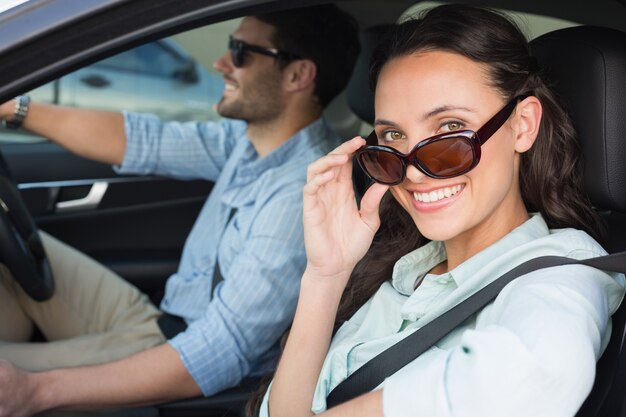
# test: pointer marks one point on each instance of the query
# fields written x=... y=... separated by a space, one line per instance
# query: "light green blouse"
x=541 y=306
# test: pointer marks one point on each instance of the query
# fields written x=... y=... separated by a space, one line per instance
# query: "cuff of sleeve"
x=419 y=386
x=212 y=369
x=138 y=128
x=125 y=166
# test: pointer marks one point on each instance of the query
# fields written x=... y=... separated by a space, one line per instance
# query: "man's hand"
x=16 y=391
x=153 y=376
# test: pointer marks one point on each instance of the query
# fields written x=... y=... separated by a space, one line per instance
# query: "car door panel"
x=137 y=228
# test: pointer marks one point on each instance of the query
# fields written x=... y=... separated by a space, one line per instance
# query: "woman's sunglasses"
x=446 y=155
x=238 y=51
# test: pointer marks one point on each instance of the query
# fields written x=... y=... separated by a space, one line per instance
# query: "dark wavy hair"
x=324 y=34
x=552 y=189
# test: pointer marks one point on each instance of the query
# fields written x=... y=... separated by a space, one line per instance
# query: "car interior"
x=584 y=63
x=598 y=56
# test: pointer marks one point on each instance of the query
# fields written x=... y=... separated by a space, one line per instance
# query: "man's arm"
x=152 y=376
x=93 y=134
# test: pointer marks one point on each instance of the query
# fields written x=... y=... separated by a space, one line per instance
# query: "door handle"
x=96 y=81
x=89 y=202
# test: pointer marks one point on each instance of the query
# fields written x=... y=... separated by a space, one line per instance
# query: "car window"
x=150 y=59
x=9 y=4
x=172 y=78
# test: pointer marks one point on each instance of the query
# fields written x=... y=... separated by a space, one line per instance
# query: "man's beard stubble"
x=256 y=103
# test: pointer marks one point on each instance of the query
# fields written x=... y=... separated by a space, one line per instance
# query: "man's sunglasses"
x=238 y=50
x=446 y=155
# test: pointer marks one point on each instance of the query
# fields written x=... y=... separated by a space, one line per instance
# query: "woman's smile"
x=435 y=199
x=437 y=194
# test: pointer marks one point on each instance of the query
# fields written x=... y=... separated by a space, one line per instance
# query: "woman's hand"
x=337 y=234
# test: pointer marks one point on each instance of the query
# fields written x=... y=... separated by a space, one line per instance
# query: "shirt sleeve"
x=254 y=304
x=534 y=355
x=191 y=150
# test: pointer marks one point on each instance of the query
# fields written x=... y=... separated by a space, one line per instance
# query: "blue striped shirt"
x=261 y=254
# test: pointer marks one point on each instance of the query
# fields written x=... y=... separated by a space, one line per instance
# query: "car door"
x=135 y=225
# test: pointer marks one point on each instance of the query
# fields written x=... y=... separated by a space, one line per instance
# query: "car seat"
x=587 y=68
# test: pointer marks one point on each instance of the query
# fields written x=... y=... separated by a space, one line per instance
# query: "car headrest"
x=586 y=66
x=358 y=93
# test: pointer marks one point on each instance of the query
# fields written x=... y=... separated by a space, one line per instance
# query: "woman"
x=486 y=201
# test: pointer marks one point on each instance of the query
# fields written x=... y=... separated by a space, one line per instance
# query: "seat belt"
x=388 y=362
x=217 y=273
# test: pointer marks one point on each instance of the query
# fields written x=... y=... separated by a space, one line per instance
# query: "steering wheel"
x=21 y=249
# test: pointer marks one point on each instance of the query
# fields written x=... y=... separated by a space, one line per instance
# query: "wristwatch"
x=21 y=110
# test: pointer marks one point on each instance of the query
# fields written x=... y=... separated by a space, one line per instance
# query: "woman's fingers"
x=318 y=180
x=370 y=202
x=335 y=158
x=349 y=146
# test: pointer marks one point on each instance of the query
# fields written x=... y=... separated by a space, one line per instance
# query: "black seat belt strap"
x=388 y=362
x=217 y=273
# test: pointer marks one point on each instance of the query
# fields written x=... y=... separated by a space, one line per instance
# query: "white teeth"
x=229 y=87
x=437 y=195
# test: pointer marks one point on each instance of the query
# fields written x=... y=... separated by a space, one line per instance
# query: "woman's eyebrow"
x=426 y=116
x=384 y=122
x=441 y=109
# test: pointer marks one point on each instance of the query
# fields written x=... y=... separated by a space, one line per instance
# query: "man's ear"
x=528 y=117
x=300 y=74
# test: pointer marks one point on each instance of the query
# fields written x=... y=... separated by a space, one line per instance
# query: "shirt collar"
x=251 y=166
x=416 y=263
x=423 y=259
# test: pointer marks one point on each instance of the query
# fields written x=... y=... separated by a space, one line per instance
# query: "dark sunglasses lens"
x=381 y=166
x=236 y=53
x=447 y=157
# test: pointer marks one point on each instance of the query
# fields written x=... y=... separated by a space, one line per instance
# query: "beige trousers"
x=93 y=317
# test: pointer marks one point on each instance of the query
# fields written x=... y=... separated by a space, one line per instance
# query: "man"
x=107 y=339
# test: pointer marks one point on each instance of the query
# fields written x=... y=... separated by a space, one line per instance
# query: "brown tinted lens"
x=447 y=157
x=382 y=166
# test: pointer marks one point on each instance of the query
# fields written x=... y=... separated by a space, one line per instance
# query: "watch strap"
x=21 y=110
